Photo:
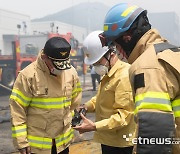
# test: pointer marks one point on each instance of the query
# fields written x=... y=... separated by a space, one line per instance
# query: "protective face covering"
x=127 y=46
x=56 y=71
x=49 y=64
x=101 y=69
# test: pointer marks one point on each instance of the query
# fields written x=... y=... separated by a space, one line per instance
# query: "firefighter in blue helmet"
x=154 y=76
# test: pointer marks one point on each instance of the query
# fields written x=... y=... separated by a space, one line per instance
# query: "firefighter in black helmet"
x=43 y=99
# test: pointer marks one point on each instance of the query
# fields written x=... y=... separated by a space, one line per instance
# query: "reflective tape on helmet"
x=105 y=28
x=131 y=18
x=176 y=107
x=20 y=130
x=153 y=100
x=129 y=10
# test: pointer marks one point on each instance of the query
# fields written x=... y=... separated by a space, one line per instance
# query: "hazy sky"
x=40 y=8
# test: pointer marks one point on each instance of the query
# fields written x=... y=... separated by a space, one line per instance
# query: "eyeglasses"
x=103 y=40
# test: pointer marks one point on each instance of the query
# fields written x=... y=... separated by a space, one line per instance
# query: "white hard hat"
x=93 y=48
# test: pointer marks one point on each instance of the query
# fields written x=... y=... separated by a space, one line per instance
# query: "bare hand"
x=26 y=150
x=86 y=126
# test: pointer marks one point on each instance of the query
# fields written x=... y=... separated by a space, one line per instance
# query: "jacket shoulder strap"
x=165 y=45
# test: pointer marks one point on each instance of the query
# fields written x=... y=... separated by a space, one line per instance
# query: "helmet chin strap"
x=108 y=58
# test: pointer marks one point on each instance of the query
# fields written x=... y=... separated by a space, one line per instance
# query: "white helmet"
x=93 y=48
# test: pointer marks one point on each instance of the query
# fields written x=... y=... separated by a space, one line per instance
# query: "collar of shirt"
x=118 y=64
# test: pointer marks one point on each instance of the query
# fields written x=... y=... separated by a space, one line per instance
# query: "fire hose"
x=1 y=85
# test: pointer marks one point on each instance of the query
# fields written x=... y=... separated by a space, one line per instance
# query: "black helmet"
x=58 y=50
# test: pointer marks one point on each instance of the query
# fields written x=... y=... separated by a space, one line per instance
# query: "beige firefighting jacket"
x=161 y=78
x=114 y=108
x=41 y=107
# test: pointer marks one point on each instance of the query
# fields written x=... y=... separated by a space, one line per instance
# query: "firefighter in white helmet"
x=43 y=98
x=113 y=103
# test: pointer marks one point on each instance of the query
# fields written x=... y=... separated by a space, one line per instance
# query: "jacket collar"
x=41 y=64
x=117 y=65
x=150 y=37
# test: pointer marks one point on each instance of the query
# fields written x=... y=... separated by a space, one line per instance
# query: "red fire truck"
x=20 y=51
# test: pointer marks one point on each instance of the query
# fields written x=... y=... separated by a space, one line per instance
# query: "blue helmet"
x=119 y=19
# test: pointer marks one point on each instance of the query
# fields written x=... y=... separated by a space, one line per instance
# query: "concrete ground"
x=83 y=144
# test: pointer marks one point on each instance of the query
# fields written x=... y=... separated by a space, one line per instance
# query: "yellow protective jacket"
x=41 y=107
x=161 y=73
x=113 y=106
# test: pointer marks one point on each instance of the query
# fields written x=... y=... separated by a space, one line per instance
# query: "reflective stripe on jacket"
x=153 y=100
x=155 y=78
x=153 y=90
x=46 y=143
x=176 y=107
x=42 y=106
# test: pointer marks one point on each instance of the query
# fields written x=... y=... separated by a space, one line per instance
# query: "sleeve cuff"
x=101 y=125
x=89 y=106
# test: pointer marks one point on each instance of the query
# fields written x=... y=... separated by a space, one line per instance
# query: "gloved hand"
x=26 y=150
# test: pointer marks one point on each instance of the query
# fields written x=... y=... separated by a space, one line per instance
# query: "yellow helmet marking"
x=129 y=10
x=105 y=27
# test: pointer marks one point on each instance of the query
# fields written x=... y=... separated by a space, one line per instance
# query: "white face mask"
x=56 y=71
x=101 y=69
